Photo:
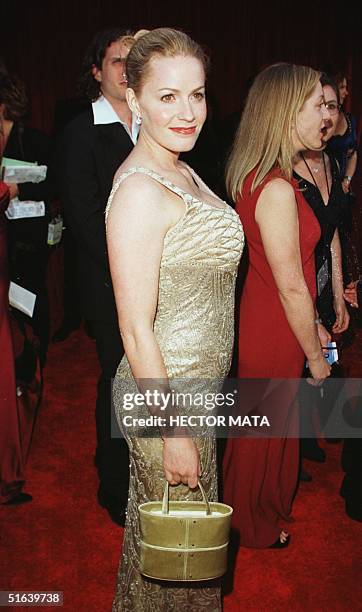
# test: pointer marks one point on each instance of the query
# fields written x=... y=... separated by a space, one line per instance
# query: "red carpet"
x=64 y=541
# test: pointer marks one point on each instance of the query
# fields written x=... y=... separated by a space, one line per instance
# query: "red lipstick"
x=184 y=130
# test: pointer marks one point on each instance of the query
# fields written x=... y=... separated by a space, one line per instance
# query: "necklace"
x=317 y=170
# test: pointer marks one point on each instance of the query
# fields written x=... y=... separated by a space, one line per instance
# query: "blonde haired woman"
x=284 y=115
x=174 y=248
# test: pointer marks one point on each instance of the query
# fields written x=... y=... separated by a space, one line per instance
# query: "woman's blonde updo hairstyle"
x=162 y=42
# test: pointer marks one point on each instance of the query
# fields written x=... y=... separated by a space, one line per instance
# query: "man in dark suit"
x=93 y=146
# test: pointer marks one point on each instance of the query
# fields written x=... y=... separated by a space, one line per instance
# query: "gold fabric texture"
x=194 y=326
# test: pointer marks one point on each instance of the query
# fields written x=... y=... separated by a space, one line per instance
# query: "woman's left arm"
x=342 y=320
x=351 y=166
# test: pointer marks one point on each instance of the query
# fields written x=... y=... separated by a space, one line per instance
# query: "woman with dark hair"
x=344 y=142
x=27 y=237
x=318 y=175
x=344 y=146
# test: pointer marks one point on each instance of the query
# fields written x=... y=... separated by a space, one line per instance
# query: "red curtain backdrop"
x=44 y=41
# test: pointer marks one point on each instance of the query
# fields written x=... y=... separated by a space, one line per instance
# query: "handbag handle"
x=165 y=505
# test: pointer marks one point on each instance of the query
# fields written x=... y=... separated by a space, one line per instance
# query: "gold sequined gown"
x=194 y=327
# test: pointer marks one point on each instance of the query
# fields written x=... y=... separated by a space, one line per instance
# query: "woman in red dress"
x=284 y=115
x=11 y=455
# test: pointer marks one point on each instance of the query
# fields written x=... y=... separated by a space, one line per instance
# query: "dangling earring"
x=138 y=119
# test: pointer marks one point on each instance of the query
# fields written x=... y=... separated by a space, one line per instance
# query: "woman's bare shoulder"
x=138 y=190
x=276 y=201
x=278 y=187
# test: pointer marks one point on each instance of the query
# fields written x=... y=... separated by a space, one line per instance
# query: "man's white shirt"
x=104 y=113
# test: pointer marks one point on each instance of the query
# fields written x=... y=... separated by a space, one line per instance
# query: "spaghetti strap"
x=157 y=177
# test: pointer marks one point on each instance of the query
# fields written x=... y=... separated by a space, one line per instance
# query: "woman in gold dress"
x=174 y=249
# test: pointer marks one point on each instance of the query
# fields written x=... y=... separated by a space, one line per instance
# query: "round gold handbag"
x=184 y=540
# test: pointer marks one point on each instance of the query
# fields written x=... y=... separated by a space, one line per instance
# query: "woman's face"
x=343 y=90
x=330 y=99
x=172 y=102
x=311 y=122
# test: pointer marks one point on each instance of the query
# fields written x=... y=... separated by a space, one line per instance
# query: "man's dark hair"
x=87 y=86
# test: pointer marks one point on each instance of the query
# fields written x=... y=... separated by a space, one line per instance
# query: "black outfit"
x=90 y=156
x=329 y=217
x=343 y=145
x=72 y=317
x=65 y=111
x=27 y=238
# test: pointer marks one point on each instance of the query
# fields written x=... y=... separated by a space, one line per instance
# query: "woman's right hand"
x=324 y=337
x=320 y=370
x=181 y=461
